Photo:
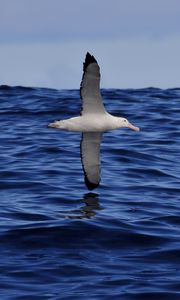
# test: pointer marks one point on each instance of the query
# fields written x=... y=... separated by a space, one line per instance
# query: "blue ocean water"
x=57 y=240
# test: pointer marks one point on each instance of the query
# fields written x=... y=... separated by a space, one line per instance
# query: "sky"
x=43 y=43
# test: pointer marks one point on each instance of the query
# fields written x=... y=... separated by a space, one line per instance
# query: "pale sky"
x=136 y=42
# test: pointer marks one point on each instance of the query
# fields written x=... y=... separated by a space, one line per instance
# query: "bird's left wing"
x=90 y=156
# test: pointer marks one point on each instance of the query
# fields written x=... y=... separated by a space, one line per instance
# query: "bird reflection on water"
x=91 y=201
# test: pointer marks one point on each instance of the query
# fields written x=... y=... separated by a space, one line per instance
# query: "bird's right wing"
x=90 y=87
x=90 y=156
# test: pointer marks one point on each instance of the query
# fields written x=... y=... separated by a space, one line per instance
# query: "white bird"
x=93 y=122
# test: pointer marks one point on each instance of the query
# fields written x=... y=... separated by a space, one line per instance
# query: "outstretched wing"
x=90 y=87
x=90 y=156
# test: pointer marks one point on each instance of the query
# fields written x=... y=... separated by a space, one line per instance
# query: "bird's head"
x=122 y=122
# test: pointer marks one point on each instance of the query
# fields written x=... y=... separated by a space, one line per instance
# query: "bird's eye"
x=124 y=120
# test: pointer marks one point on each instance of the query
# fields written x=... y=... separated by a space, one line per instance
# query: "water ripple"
x=121 y=242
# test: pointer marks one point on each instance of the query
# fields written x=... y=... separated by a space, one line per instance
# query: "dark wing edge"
x=91 y=186
x=88 y=60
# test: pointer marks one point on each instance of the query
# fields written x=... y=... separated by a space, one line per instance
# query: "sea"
x=58 y=240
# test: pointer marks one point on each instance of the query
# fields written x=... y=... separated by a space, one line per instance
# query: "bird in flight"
x=93 y=121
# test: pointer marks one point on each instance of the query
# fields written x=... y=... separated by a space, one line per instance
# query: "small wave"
x=124 y=240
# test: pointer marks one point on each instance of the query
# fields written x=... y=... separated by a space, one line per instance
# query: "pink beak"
x=133 y=127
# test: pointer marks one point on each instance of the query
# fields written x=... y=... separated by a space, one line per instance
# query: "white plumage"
x=94 y=120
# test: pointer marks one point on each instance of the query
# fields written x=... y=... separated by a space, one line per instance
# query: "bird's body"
x=93 y=122
x=90 y=123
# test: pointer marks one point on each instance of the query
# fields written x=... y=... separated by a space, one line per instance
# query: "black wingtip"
x=88 y=60
x=91 y=186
